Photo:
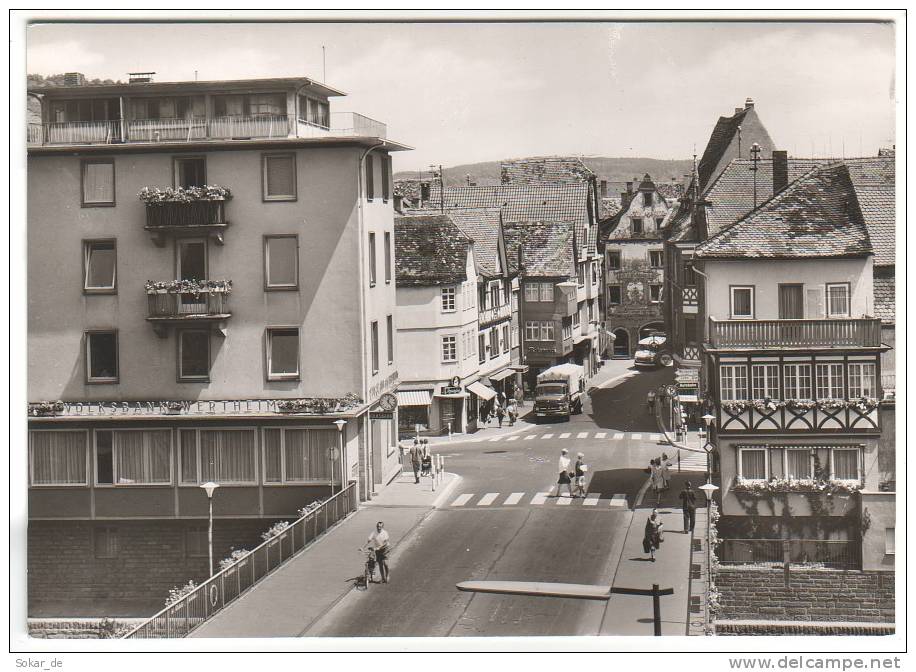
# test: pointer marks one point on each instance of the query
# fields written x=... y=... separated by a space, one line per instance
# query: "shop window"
x=296 y=455
x=133 y=457
x=219 y=455
x=58 y=457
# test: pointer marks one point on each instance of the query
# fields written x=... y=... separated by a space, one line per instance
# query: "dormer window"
x=647 y=199
x=636 y=224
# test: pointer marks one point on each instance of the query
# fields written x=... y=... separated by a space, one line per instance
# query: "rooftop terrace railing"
x=840 y=332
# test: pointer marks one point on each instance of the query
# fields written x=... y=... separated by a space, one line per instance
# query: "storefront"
x=484 y=395
x=414 y=411
x=503 y=381
x=450 y=401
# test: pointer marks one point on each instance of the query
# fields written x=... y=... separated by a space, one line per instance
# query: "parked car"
x=653 y=351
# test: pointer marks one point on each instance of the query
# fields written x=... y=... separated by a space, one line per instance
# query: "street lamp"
x=707 y=421
x=341 y=423
x=708 y=489
x=210 y=487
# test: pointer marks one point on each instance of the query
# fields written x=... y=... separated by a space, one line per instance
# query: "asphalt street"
x=504 y=522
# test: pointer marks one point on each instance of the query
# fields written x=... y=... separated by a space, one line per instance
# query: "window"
x=281 y=262
x=656 y=258
x=890 y=547
x=194 y=355
x=647 y=198
x=105 y=541
x=799 y=463
x=386 y=178
x=448 y=299
x=219 y=455
x=514 y=337
x=374 y=329
x=283 y=353
x=742 y=303
x=267 y=105
x=567 y=328
x=547 y=331
x=100 y=263
x=190 y=171
x=390 y=329
x=636 y=224
x=506 y=338
x=293 y=455
x=576 y=317
x=372 y=266
x=830 y=381
x=495 y=294
x=838 y=300
x=594 y=273
x=532 y=330
x=196 y=541
x=655 y=293
x=547 y=292
x=102 y=357
x=279 y=176
x=613 y=295
x=765 y=379
x=98 y=183
x=482 y=347
x=581 y=274
x=387 y=251
x=58 y=457
x=753 y=463
x=733 y=380
x=797 y=381
x=613 y=260
x=133 y=457
x=370 y=177
x=449 y=349
x=314 y=112
x=532 y=292
x=494 y=343
x=845 y=463
x=659 y=222
x=862 y=380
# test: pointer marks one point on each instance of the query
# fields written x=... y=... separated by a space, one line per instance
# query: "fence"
x=168 y=304
x=212 y=596
x=854 y=332
x=837 y=554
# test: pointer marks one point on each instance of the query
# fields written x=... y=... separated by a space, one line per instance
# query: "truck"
x=559 y=391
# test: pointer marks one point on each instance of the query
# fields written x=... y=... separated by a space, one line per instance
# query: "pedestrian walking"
x=500 y=414
x=426 y=458
x=652 y=537
x=519 y=396
x=501 y=398
x=580 y=470
x=665 y=471
x=380 y=541
x=655 y=475
x=689 y=507
x=564 y=475
x=416 y=459
x=512 y=411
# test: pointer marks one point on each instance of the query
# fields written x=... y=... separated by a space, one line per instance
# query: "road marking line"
x=617 y=436
x=582 y=435
x=564 y=435
x=461 y=500
x=619 y=500
x=655 y=437
x=497 y=438
x=635 y=437
x=487 y=499
x=513 y=438
x=514 y=498
x=564 y=501
x=547 y=436
x=591 y=499
x=600 y=435
x=540 y=498
x=530 y=436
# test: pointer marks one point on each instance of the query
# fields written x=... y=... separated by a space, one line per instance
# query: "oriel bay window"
x=797 y=381
x=194 y=355
x=133 y=457
x=862 y=380
x=101 y=356
x=830 y=381
x=225 y=456
x=283 y=353
x=281 y=262
x=765 y=378
x=296 y=455
x=733 y=382
x=58 y=457
x=99 y=266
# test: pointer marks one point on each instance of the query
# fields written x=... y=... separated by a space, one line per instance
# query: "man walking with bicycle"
x=380 y=541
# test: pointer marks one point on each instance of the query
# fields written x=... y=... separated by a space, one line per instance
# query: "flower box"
x=207 y=192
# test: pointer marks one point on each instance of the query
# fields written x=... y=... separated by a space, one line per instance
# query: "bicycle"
x=362 y=582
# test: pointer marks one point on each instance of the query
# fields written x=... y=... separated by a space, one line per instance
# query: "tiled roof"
x=609 y=207
x=670 y=191
x=550 y=169
x=482 y=226
x=429 y=250
x=816 y=216
x=548 y=248
x=885 y=305
x=874 y=182
x=593 y=241
x=719 y=141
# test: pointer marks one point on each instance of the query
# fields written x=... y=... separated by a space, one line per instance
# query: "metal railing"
x=180 y=305
x=189 y=129
x=854 y=332
x=829 y=553
x=184 y=615
x=192 y=213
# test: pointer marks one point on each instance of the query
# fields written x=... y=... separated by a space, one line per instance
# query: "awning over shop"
x=521 y=368
x=482 y=391
x=499 y=375
x=414 y=398
x=687 y=398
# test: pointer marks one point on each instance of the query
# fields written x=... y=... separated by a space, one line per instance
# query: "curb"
x=446 y=491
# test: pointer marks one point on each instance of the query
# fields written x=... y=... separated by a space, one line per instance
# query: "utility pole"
x=755 y=158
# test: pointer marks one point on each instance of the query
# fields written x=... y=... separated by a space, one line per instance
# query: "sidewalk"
x=632 y=614
x=288 y=601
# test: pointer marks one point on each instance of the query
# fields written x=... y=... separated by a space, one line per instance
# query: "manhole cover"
x=494 y=452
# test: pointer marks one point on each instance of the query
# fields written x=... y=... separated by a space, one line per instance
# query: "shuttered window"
x=279 y=177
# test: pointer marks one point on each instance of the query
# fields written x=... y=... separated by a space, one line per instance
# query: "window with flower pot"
x=733 y=382
x=845 y=464
x=133 y=457
x=282 y=353
x=58 y=457
x=225 y=456
x=830 y=380
x=189 y=171
x=97 y=183
x=281 y=262
x=797 y=381
x=279 y=177
x=101 y=357
x=296 y=455
x=862 y=380
x=194 y=355
x=100 y=264
x=765 y=379
x=753 y=464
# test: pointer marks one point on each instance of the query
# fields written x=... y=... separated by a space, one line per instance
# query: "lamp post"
x=707 y=421
x=341 y=423
x=210 y=487
x=708 y=489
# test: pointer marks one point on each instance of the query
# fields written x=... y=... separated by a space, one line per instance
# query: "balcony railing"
x=837 y=333
x=188 y=306
x=838 y=554
x=341 y=124
x=494 y=314
x=193 y=213
x=181 y=617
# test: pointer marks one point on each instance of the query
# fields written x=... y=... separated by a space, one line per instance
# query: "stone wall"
x=801 y=628
x=811 y=595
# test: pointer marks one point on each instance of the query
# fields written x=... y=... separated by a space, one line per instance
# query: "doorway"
x=621 y=343
x=791 y=302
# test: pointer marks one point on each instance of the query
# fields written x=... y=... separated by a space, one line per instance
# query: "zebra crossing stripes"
x=618 y=436
x=530 y=436
x=582 y=435
x=547 y=436
x=514 y=498
x=565 y=435
x=461 y=500
x=497 y=438
x=619 y=500
x=513 y=438
x=600 y=435
x=488 y=499
x=615 y=436
x=636 y=437
x=540 y=498
x=592 y=499
x=564 y=501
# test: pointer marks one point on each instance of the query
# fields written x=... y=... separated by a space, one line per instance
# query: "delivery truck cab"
x=559 y=391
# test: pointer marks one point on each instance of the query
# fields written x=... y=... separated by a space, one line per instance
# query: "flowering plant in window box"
x=827 y=486
x=736 y=406
x=801 y=404
x=195 y=287
x=208 y=192
x=311 y=506
x=831 y=403
x=176 y=594
x=46 y=408
x=237 y=555
x=768 y=404
x=864 y=404
x=320 y=405
x=275 y=530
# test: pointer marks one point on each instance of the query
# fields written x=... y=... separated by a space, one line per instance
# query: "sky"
x=465 y=92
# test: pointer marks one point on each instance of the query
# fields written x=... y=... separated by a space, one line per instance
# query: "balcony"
x=794 y=334
x=188 y=303
x=186 y=218
x=197 y=129
x=488 y=316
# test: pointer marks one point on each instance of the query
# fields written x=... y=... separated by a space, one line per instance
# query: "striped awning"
x=482 y=391
x=499 y=375
x=414 y=398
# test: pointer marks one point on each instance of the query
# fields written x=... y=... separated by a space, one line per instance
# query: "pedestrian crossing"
x=606 y=436
x=691 y=461
x=593 y=499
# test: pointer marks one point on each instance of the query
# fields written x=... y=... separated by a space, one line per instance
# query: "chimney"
x=602 y=188
x=780 y=170
x=398 y=203
x=749 y=103
x=74 y=79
